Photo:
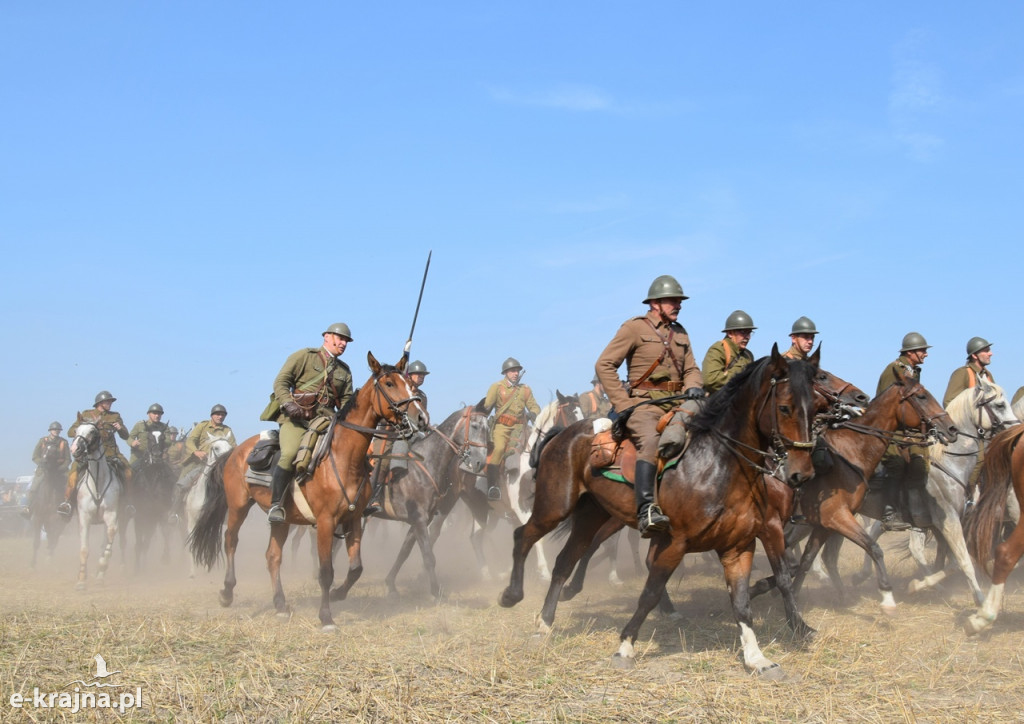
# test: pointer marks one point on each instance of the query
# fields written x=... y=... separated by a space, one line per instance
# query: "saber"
x=415 y=316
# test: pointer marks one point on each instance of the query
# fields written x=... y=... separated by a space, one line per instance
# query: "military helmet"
x=914 y=340
x=976 y=344
x=341 y=329
x=665 y=287
x=417 y=368
x=738 y=320
x=103 y=396
x=218 y=408
x=595 y=381
x=157 y=408
x=172 y=430
x=803 y=326
x=510 y=364
x=55 y=426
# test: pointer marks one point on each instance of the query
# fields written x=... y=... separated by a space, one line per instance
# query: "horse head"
x=919 y=410
x=984 y=408
x=395 y=399
x=568 y=410
x=87 y=442
x=787 y=411
x=835 y=394
x=472 y=436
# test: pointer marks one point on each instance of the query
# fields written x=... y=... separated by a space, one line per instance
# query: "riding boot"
x=278 y=484
x=650 y=520
x=65 y=507
x=892 y=519
x=129 y=491
x=493 y=480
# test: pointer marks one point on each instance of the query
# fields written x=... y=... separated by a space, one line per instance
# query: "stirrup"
x=892 y=521
x=372 y=508
x=276 y=513
x=652 y=521
x=64 y=509
x=494 y=493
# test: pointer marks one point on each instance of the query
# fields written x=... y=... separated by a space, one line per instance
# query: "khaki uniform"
x=885 y=380
x=52 y=452
x=724 y=359
x=510 y=403
x=105 y=422
x=201 y=438
x=660 y=363
x=149 y=443
x=794 y=352
x=594 y=405
x=319 y=383
x=964 y=377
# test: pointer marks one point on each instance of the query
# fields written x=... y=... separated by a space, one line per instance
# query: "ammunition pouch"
x=602 y=450
x=308 y=402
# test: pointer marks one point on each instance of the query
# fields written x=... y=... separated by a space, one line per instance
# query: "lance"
x=415 y=316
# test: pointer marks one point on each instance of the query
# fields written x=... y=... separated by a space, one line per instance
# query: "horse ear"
x=480 y=406
x=402 y=363
x=778 y=362
x=372 y=361
x=816 y=357
x=559 y=395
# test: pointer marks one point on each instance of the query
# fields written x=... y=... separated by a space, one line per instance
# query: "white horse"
x=1018 y=407
x=978 y=413
x=195 y=498
x=99 y=496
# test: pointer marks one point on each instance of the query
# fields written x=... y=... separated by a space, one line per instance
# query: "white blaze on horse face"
x=420 y=415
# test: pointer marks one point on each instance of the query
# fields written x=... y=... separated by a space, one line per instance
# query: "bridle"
x=904 y=436
x=401 y=427
x=465 y=421
x=564 y=412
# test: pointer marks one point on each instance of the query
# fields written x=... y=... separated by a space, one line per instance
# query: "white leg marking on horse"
x=986 y=615
x=927 y=582
x=753 y=658
x=888 y=603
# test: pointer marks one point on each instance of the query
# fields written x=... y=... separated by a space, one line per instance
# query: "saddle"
x=616 y=459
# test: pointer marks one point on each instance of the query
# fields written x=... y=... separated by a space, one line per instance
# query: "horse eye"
x=784 y=409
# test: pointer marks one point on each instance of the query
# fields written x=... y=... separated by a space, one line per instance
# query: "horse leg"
x=403 y=554
x=419 y=529
x=664 y=557
x=353 y=544
x=953 y=533
x=236 y=516
x=773 y=539
x=875 y=531
x=587 y=519
x=842 y=521
x=1007 y=554
x=275 y=548
x=737 y=564
x=523 y=539
x=515 y=487
x=110 y=520
x=83 y=549
x=608 y=529
x=325 y=553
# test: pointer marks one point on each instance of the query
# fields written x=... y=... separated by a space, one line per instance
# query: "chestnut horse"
x=831 y=500
x=1002 y=469
x=714 y=497
x=336 y=494
x=837 y=400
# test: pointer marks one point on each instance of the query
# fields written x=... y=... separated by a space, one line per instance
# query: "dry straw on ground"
x=411 y=659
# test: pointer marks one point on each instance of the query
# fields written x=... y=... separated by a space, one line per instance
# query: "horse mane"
x=724 y=399
x=961 y=407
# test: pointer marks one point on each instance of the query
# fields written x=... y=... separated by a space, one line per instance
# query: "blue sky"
x=191 y=191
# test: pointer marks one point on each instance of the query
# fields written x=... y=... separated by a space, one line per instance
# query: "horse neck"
x=864 y=449
x=350 y=444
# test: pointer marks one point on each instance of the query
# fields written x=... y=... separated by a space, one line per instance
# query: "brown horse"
x=831 y=500
x=835 y=397
x=714 y=497
x=336 y=494
x=1003 y=467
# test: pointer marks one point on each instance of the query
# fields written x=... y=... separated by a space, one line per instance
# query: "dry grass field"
x=410 y=659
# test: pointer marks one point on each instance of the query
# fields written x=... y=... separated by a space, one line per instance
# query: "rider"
x=908 y=469
x=802 y=336
x=109 y=424
x=197 y=448
x=513 y=406
x=148 y=438
x=51 y=453
x=729 y=355
x=660 y=363
x=979 y=356
x=594 y=402
x=175 y=448
x=312 y=382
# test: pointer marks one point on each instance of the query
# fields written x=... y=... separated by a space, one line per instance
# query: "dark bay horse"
x=1002 y=470
x=714 y=497
x=44 y=515
x=432 y=480
x=336 y=494
x=836 y=400
x=152 y=489
x=831 y=499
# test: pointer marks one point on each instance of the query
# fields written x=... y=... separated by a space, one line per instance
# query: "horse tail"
x=985 y=521
x=205 y=540
x=539 y=447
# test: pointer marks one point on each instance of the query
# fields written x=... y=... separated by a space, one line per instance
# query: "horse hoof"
x=916 y=586
x=225 y=599
x=623 y=663
x=508 y=599
x=772 y=673
x=613 y=578
x=283 y=615
x=328 y=628
x=890 y=610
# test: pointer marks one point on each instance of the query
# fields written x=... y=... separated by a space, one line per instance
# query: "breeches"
x=642 y=426
x=289 y=438
x=500 y=439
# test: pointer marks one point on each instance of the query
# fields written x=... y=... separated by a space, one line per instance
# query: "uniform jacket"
x=143 y=432
x=52 y=451
x=888 y=375
x=639 y=343
x=964 y=377
x=716 y=371
x=513 y=400
x=594 y=405
x=203 y=435
x=311 y=370
x=794 y=352
x=105 y=422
